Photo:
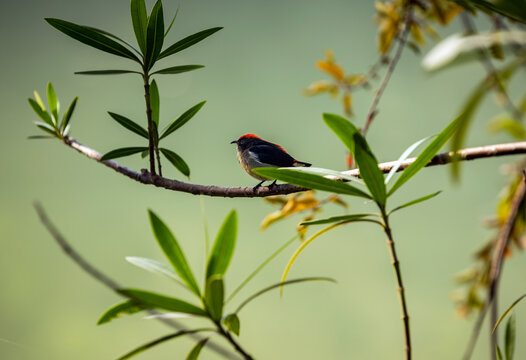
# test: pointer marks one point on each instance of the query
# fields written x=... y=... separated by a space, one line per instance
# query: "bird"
x=254 y=152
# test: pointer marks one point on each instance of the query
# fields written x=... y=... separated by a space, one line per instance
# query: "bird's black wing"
x=272 y=155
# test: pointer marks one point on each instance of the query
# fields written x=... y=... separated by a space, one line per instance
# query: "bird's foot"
x=271 y=186
x=258 y=186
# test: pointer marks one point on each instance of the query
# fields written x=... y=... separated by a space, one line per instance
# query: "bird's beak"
x=234 y=142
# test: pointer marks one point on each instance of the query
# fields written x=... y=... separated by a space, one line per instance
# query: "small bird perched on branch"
x=254 y=152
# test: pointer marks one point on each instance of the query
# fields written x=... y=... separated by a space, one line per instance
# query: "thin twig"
x=110 y=283
x=496 y=267
x=485 y=59
x=147 y=178
x=400 y=286
x=390 y=69
x=233 y=342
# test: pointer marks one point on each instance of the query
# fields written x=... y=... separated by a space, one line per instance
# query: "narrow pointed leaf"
x=176 y=161
x=106 y=72
x=127 y=307
x=173 y=252
x=329 y=174
x=53 y=102
x=231 y=322
x=278 y=285
x=155 y=267
x=92 y=38
x=129 y=124
x=39 y=100
x=108 y=34
x=311 y=181
x=127 y=151
x=40 y=137
x=503 y=316
x=335 y=219
x=223 y=248
x=67 y=116
x=403 y=157
x=154 y=35
x=178 y=69
x=140 y=22
x=163 y=302
x=426 y=155
x=188 y=41
x=499 y=353
x=196 y=350
x=183 y=119
x=509 y=338
x=49 y=129
x=416 y=201
x=172 y=23
x=343 y=128
x=41 y=112
x=155 y=102
x=160 y=341
x=214 y=297
x=369 y=171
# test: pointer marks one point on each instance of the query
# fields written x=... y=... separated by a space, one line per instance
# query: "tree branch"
x=390 y=69
x=147 y=178
x=495 y=269
x=110 y=283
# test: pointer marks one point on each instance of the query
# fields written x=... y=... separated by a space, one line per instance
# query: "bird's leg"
x=258 y=185
x=271 y=186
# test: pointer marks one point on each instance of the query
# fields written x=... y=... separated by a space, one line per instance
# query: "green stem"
x=400 y=286
x=151 y=143
x=231 y=340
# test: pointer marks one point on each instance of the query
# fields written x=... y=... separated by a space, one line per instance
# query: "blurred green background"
x=255 y=70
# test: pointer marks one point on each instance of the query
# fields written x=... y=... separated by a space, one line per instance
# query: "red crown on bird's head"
x=246 y=136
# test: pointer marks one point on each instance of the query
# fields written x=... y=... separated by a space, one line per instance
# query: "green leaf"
x=178 y=69
x=214 y=295
x=127 y=151
x=342 y=128
x=416 y=201
x=196 y=350
x=337 y=219
x=129 y=124
x=513 y=9
x=41 y=112
x=261 y=267
x=158 y=301
x=427 y=154
x=140 y=22
x=127 y=307
x=231 y=322
x=154 y=35
x=280 y=284
x=223 y=248
x=506 y=123
x=106 y=72
x=503 y=316
x=176 y=161
x=103 y=32
x=41 y=103
x=369 y=171
x=155 y=102
x=53 y=103
x=509 y=338
x=188 y=41
x=49 y=129
x=330 y=174
x=67 y=116
x=173 y=252
x=156 y=267
x=183 y=119
x=403 y=157
x=172 y=23
x=499 y=353
x=92 y=38
x=160 y=341
x=311 y=181
x=39 y=137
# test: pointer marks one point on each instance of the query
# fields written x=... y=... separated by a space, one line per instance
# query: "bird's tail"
x=301 y=163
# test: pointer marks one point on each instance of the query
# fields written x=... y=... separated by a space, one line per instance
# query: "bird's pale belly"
x=249 y=162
